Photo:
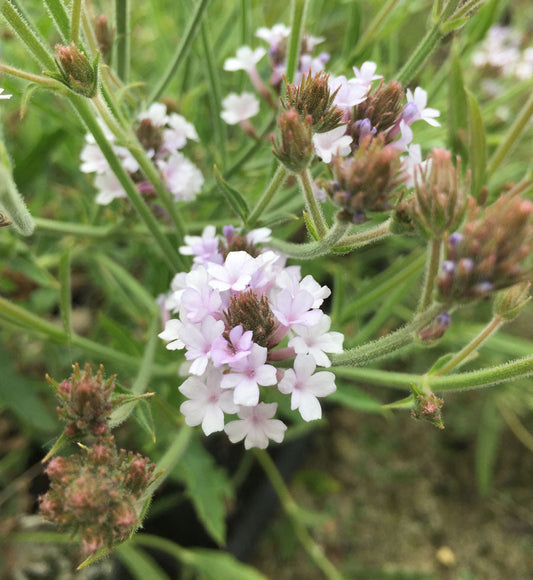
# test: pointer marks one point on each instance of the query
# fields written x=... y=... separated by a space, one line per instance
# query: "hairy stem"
x=311 y=202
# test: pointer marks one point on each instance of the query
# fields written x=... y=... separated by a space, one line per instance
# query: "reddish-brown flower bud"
x=439 y=201
x=76 y=72
x=488 y=254
x=104 y=36
x=313 y=97
x=296 y=149
x=253 y=313
x=366 y=181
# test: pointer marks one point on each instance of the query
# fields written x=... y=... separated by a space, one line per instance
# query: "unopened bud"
x=253 y=313
x=76 y=72
x=104 y=36
x=509 y=303
x=313 y=97
x=382 y=108
x=296 y=148
x=427 y=407
x=436 y=329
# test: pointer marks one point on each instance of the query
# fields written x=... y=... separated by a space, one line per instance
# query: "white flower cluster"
x=239 y=309
x=502 y=50
x=163 y=136
x=239 y=108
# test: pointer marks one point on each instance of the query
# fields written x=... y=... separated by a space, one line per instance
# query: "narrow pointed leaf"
x=232 y=196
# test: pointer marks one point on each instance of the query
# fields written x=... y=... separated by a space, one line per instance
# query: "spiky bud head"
x=382 y=108
x=314 y=97
x=366 y=181
x=509 y=303
x=76 y=72
x=252 y=312
x=295 y=148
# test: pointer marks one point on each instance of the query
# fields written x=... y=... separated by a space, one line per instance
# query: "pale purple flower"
x=184 y=180
x=197 y=303
x=239 y=347
x=237 y=108
x=172 y=334
x=256 y=426
x=366 y=74
x=247 y=374
x=316 y=341
x=411 y=162
x=178 y=132
x=109 y=188
x=305 y=387
x=295 y=309
x=199 y=341
x=259 y=236
x=93 y=160
x=273 y=36
x=6 y=96
x=204 y=248
x=207 y=402
x=333 y=142
x=246 y=59
x=402 y=144
x=416 y=108
x=156 y=114
x=319 y=293
x=308 y=64
x=234 y=274
x=350 y=92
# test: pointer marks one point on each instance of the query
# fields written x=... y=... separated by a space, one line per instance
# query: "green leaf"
x=477 y=142
x=143 y=415
x=65 y=301
x=310 y=227
x=139 y=563
x=232 y=196
x=457 y=108
x=208 y=487
x=20 y=395
x=405 y=403
x=354 y=398
x=487 y=443
x=440 y=362
x=121 y=336
x=214 y=565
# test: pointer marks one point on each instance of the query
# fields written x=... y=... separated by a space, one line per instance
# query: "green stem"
x=426 y=47
x=273 y=187
x=371 y=29
x=298 y=10
x=315 y=213
x=45 y=82
x=496 y=323
x=170 y=459
x=390 y=344
x=432 y=269
x=149 y=170
x=214 y=92
x=290 y=507
x=75 y=21
x=60 y=17
x=519 y=125
x=313 y=249
x=122 y=21
x=11 y=202
x=355 y=241
x=170 y=255
x=44 y=225
x=515 y=369
x=27 y=34
x=181 y=51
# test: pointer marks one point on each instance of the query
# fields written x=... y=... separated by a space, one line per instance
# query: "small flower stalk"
x=487 y=255
x=76 y=72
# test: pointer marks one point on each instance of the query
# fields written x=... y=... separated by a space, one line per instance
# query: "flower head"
x=256 y=426
x=237 y=108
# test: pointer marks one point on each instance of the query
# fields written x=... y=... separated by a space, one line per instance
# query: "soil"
x=396 y=498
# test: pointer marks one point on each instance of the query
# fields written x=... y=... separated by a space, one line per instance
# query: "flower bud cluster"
x=162 y=136
x=488 y=254
x=238 y=108
x=75 y=70
x=438 y=204
x=97 y=493
x=85 y=402
x=238 y=310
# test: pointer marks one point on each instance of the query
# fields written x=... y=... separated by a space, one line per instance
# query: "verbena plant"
x=248 y=183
